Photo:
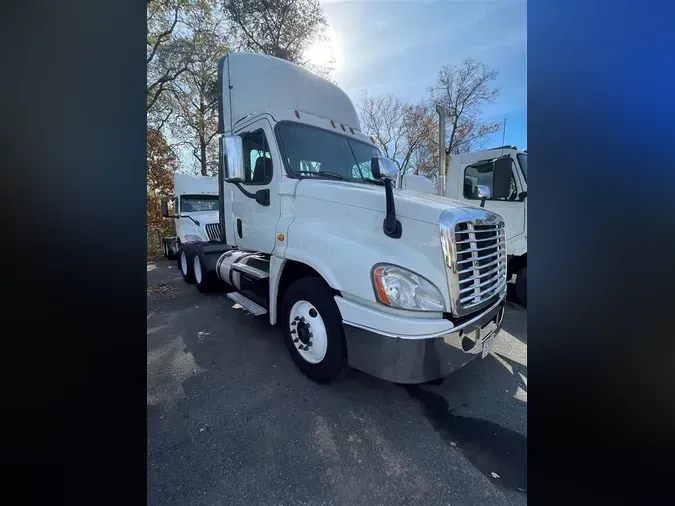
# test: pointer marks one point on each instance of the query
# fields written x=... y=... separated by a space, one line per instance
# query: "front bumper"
x=414 y=359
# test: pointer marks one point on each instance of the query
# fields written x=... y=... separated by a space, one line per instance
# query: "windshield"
x=312 y=152
x=197 y=203
x=522 y=160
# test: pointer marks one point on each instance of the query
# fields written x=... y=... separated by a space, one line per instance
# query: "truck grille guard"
x=474 y=254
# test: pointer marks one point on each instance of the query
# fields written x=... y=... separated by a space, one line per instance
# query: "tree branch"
x=163 y=35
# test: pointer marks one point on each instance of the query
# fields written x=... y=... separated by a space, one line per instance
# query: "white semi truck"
x=315 y=238
x=471 y=178
x=195 y=207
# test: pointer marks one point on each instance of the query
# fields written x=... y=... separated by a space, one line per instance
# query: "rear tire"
x=521 y=286
x=205 y=280
x=169 y=253
x=320 y=329
x=185 y=265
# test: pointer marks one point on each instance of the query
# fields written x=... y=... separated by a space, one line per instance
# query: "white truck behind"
x=471 y=178
x=195 y=207
x=315 y=238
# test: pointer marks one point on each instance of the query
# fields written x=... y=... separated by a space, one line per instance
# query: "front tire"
x=521 y=286
x=312 y=327
x=185 y=263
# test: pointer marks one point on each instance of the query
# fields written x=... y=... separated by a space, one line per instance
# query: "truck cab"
x=195 y=212
x=316 y=238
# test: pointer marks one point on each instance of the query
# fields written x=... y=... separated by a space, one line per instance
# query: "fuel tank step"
x=247 y=304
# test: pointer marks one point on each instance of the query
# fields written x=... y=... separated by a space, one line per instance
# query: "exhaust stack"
x=441 y=149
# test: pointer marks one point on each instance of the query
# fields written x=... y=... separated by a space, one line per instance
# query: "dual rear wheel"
x=185 y=264
x=309 y=319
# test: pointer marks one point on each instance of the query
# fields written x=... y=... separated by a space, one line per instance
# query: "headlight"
x=398 y=287
x=193 y=238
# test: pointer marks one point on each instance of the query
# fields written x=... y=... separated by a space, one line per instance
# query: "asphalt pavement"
x=231 y=420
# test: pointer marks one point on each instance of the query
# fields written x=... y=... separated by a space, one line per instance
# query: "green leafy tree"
x=168 y=49
x=194 y=92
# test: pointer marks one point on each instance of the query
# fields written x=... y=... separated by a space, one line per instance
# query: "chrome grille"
x=474 y=251
x=213 y=231
x=481 y=262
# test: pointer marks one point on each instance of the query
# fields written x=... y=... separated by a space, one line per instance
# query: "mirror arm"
x=262 y=197
x=392 y=227
x=186 y=216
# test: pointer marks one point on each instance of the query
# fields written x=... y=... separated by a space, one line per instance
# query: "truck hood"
x=203 y=217
x=413 y=205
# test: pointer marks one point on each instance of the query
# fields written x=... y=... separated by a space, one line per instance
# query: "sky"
x=397 y=46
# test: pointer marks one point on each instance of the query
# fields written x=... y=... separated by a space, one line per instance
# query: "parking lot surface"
x=231 y=420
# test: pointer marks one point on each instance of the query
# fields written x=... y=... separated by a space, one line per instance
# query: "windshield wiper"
x=373 y=181
x=329 y=175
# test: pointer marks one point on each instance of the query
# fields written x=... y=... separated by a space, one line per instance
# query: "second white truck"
x=315 y=237
x=472 y=178
x=195 y=212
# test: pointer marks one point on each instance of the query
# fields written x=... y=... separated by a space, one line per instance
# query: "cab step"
x=254 y=272
x=250 y=306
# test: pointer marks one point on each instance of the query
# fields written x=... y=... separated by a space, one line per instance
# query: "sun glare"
x=324 y=53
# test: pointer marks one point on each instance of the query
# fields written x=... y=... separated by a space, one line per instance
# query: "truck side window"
x=257 y=158
x=482 y=173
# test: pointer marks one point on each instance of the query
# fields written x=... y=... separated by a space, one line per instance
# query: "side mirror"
x=382 y=167
x=501 y=185
x=233 y=149
x=165 y=209
x=483 y=192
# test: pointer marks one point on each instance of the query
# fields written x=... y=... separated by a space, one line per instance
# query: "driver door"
x=255 y=224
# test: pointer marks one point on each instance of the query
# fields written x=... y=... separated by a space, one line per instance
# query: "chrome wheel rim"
x=308 y=332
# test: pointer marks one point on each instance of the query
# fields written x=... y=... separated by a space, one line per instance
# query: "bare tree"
x=400 y=129
x=282 y=28
x=168 y=50
x=194 y=92
x=463 y=89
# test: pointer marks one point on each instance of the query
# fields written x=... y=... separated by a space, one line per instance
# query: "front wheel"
x=186 y=267
x=312 y=328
